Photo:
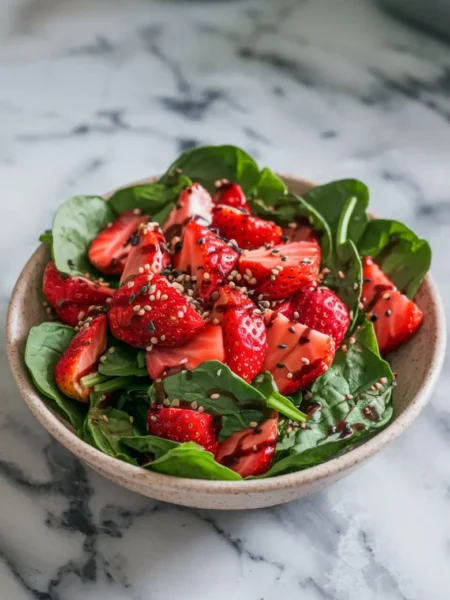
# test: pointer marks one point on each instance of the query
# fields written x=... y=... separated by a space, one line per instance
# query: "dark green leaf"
x=265 y=384
x=404 y=257
x=106 y=428
x=77 y=222
x=151 y=198
x=46 y=238
x=136 y=404
x=208 y=164
x=149 y=445
x=192 y=461
x=45 y=345
x=330 y=199
x=270 y=188
x=122 y=362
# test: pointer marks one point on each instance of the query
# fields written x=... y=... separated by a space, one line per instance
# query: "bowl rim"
x=111 y=467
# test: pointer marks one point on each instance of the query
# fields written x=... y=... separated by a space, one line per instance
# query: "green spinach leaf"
x=154 y=199
x=105 y=428
x=270 y=188
x=45 y=345
x=208 y=164
x=76 y=224
x=46 y=238
x=122 y=362
x=403 y=256
x=330 y=200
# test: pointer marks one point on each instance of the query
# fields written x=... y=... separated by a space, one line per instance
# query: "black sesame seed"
x=134 y=239
x=144 y=289
x=284 y=258
x=291 y=329
x=373 y=318
x=71 y=263
x=285 y=238
x=151 y=327
x=201 y=241
x=281 y=365
x=275 y=251
x=282 y=346
x=388 y=313
x=367 y=280
x=132 y=298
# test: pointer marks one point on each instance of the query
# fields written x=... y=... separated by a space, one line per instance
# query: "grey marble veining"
x=95 y=94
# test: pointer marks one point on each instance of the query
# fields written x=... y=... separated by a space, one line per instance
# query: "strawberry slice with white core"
x=278 y=272
x=206 y=257
x=109 y=250
x=250 y=452
x=80 y=358
x=296 y=354
x=207 y=345
x=148 y=252
x=194 y=204
x=395 y=317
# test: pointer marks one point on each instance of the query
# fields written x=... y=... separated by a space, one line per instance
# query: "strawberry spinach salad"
x=215 y=325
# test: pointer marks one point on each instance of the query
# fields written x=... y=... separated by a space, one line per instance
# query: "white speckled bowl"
x=418 y=364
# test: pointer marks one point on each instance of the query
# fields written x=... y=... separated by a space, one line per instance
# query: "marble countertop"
x=98 y=93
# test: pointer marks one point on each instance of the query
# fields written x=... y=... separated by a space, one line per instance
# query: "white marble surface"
x=97 y=93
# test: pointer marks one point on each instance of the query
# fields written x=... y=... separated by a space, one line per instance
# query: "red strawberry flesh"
x=248 y=231
x=194 y=203
x=148 y=253
x=81 y=358
x=230 y=194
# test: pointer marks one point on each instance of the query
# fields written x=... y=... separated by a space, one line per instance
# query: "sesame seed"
x=349 y=396
x=137 y=308
x=183 y=361
x=152 y=297
x=154 y=418
x=281 y=365
x=305 y=360
x=147 y=307
x=219 y=372
x=386 y=296
x=141 y=270
x=341 y=275
x=214 y=396
x=131 y=419
x=351 y=340
x=253 y=281
x=105 y=418
x=292 y=225
x=378 y=385
x=194 y=405
x=206 y=276
x=344 y=348
x=130 y=284
x=158 y=295
x=164 y=297
x=282 y=346
x=149 y=348
x=253 y=424
x=201 y=409
x=178 y=286
x=137 y=211
x=175 y=402
x=152 y=289
x=154 y=340
x=325 y=271
x=180 y=314
x=291 y=329
x=383 y=380
x=289 y=375
x=232 y=285
x=215 y=321
x=112 y=350
x=355 y=285
x=108 y=300
x=162 y=337
x=273 y=277
x=296 y=315
x=103 y=358
x=275 y=271
x=141 y=313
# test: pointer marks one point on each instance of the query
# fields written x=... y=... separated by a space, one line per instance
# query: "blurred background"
x=98 y=93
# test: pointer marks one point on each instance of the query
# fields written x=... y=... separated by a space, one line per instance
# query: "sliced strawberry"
x=74 y=298
x=250 y=452
x=319 y=308
x=148 y=252
x=248 y=231
x=149 y=310
x=231 y=194
x=280 y=271
x=296 y=354
x=193 y=204
x=183 y=425
x=80 y=358
x=243 y=333
x=109 y=251
x=207 y=257
x=207 y=345
x=395 y=317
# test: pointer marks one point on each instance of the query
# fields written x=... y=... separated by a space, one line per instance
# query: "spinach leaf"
x=46 y=238
x=330 y=199
x=123 y=361
x=45 y=345
x=269 y=188
x=106 y=427
x=403 y=256
x=136 y=404
x=208 y=164
x=222 y=393
x=192 y=461
x=76 y=224
x=267 y=386
x=151 y=198
x=350 y=402
x=149 y=444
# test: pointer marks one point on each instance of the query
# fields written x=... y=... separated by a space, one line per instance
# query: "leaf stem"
x=342 y=230
x=117 y=383
x=285 y=407
x=93 y=379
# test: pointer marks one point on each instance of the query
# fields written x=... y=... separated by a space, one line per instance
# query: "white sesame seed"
x=253 y=424
x=232 y=285
x=131 y=419
x=383 y=380
x=238 y=277
x=164 y=297
x=344 y=348
x=137 y=211
x=103 y=358
x=147 y=307
x=219 y=372
x=296 y=315
x=149 y=348
x=130 y=284
x=206 y=276
x=201 y=409
x=154 y=418
x=214 y=396
x=351 y=340
x=141 y=270
x=112 y=350
x=152 y=298
x=105 y=418
x=137 y=308
x=166 y=402
x=305 y=360
x=154 y=340
x=178 y=286
x=141 y=313
x=386 y=296
x=289 y=375
x=194 y=405
x=341 y=275
x=180 y=314
x=183 y=361
x=162 y=337
x=175 y=402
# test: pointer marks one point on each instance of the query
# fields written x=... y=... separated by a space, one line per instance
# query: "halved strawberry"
x=149 y=310
x=319 y=308
x=248 y=231
x=296 y=354
x=74 y=298
x=148 y=252
x=244 y=333
x=395 y=317
x=250 y=452
x=207 y=345
x=230 y=194
x=109 y=251
x=80 y=358
x=299 y=232
x=205 y=256
x=183 y=425
x=193 y=204
x=280 y=271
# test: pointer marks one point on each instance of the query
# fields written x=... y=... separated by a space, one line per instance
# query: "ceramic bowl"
x=418 y=363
